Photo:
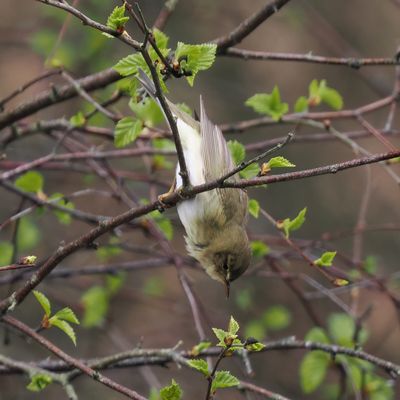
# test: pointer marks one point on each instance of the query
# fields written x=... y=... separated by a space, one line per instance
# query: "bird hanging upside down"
x=214 y=220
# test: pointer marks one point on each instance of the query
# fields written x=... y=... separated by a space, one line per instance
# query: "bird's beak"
x=227 y=288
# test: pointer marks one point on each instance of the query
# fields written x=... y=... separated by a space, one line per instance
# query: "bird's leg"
x=163 y=196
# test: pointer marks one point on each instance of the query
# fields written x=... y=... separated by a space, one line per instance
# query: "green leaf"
x=332 y=98
x=233 y=327
x=259 y=249
x=255 y=329
x=28 y=235
x=63 y=217
x=255 y=346
x=64 y=326
x=276 y=318
x=129 y=65
x=250 y=172
x=114 y=282
x=117 y=18
x=254 y=207
x=161 y=39
x=163 y=223
x=223 y=379
x=66 y=314
x=326 y=259
x=31 y=181
x=43 y=301
x=104 y=253
x=148 y=111
x=279 y=162
x=95 y=302
x=199 y=57
x=78 y=119
x=238 y=152
x=301 y=104
x=317 y=334
x=313 y=369
x=163 y=144
x=39 y=382
x=201 y=365
x=126 y=131
x=342 y=327
x=221 y=335
x=196 y=350
x=289 y=225
x=320 y=92
x=268 y=104
x=171 y=392
x=6 y=251
x=370 y=264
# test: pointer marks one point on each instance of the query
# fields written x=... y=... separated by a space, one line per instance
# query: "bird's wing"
x=218 y=161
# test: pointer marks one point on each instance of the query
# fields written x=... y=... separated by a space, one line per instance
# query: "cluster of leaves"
x=315 y=365
x=229 y=342
x=62 y=319
x=39 y=382
x=96 y=300
x=170 y=392
x=318 y=92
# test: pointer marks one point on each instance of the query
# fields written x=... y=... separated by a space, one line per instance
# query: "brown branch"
x=165 y=14
x=58 y=94
x=95 y=375
x=251 y=387
x=249 y=25
x=351 y=62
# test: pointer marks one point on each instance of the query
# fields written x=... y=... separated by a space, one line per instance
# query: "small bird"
x=215 y=220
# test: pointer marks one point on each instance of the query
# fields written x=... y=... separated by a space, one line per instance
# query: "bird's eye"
x=225 y=267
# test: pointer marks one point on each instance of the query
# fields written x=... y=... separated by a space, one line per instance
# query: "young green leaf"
x=223 y=379
x=255 y=346
x=185 y=108
x=95 y=303
x=301 y=104
x=147 y=111
x=6 y=252
x=62 y=216
x=66 y=314
x=289 y=225
x=199 y=58
x=370 y=264
x=104 y=253
x=114 y=282
x=28 y=235
x=259 y=249
x=64 y=326
x=317 y=334
x=126 y=131
x=163 y=144
x=279 y=162
x=238 y=152
x=276 y=318
x=313 y=370
x=320 y=92
x=250 y=172
x=196 y=350
x=39 y=382
x=171 y=392
x=78 y=119
x=341 y=328
x=268 y=104
x=31 y=181
x=129 y=65
x=117 y=18
x=254 y=207
x=201 y=365
x=43 y=301
x=233 y=327
x=326 y=259
x=221 y=335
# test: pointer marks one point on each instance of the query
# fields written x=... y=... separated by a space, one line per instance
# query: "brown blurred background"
x=151 y=308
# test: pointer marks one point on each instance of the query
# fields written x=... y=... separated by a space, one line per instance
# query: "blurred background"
x=150 y=307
